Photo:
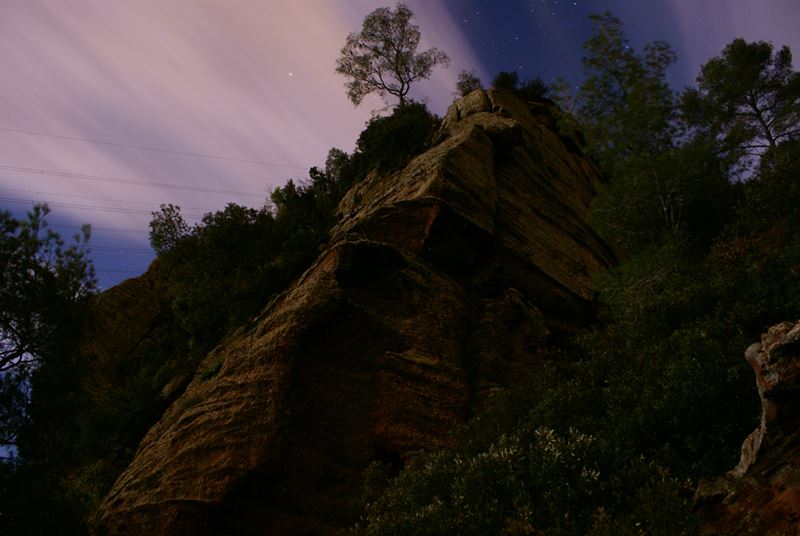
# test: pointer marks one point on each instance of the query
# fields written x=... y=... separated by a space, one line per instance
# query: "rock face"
x=440 y=283
x=761 y=495
x=127 y=328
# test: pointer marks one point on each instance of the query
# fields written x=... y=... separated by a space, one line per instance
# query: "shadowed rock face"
x=761 y=495
x=440 y=283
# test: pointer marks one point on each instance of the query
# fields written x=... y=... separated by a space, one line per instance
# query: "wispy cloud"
x=243 y=78
x=699 y=30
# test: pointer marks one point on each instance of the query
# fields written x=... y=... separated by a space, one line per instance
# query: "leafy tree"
x=774 y=190
x=388 y=143
x=468 y=81
x=532 y=89
x=382 y=58
x=506 y=80
x=43 y=283
x=41 y=278
x=748 y=98
x=661 y=186
x=624 y=101
x=167 y=228
x=206 y=267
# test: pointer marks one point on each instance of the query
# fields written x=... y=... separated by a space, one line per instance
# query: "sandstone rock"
x=440 y=283
x=125 y=330
x=761 y=495
x=124 y=324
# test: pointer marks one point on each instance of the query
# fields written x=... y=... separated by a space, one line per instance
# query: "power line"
x=121 y=249
x=74 y=205
x=150 y=204
x=100 y=229
x=148 y=148
x=120 y=180
x=98 y=208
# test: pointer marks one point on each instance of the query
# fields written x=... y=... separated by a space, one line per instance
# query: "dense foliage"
x=41 y=281
x=77 y=414
x=533 y=89
x=223 y=270
x=45 y=286
x=747 y=100
x=468 y=81
x=612 y=435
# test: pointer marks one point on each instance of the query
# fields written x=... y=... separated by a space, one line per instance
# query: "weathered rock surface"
x=439 y=284
x=127 y=329
x=761 y=495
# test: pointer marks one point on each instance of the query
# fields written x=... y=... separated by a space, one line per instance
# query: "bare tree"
x=382 y=57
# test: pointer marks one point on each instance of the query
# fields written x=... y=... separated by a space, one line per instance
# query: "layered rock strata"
x=441 y=283
x=761 y=495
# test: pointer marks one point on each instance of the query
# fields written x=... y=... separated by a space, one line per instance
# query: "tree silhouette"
x=44 y=283
x=468 y=81
x=382 y=57
x=748 y=98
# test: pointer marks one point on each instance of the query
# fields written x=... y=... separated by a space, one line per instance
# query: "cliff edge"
x=440 y=283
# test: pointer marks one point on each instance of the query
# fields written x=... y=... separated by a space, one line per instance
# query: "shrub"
x=388 y=143
x=533 y=89
x=531 y=481
x=468 y=82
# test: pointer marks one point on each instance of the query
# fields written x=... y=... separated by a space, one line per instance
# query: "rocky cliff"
x=440 y=283
x=761 y=495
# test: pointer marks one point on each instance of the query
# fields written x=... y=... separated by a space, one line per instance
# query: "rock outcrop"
x=440 y=283
x=127 y=329
x=761 y=495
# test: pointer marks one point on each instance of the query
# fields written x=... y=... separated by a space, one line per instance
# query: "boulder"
x=761 y=495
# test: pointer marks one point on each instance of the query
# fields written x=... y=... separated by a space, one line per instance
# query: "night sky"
x=111 y=108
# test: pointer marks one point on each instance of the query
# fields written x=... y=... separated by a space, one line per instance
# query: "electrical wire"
x=148 y=148
x=94 y=208
x=100 y=229
x=149 y=204
x=121 y=180
x=120 y=249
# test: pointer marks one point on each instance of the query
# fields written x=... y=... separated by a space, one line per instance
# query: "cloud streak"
x=243 y=78
x=699 y=30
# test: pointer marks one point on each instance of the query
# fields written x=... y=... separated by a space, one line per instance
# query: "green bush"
x=530 y=90
x=644 y=405
x=388 y=143
x=533 y=480
x=223 y=270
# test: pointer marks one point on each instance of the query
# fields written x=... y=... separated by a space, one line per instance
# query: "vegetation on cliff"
x=611 y=436
x=223 y=270
x=611 y=433
x=382 y=58
x=44 y=292
x=88 y=415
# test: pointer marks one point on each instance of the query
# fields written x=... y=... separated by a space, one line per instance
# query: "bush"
x=533 y=480
x=639 y=408
x=219 y=272
x=223 y=270
x=468 y=82
x=534 y=89
x=388 y=143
